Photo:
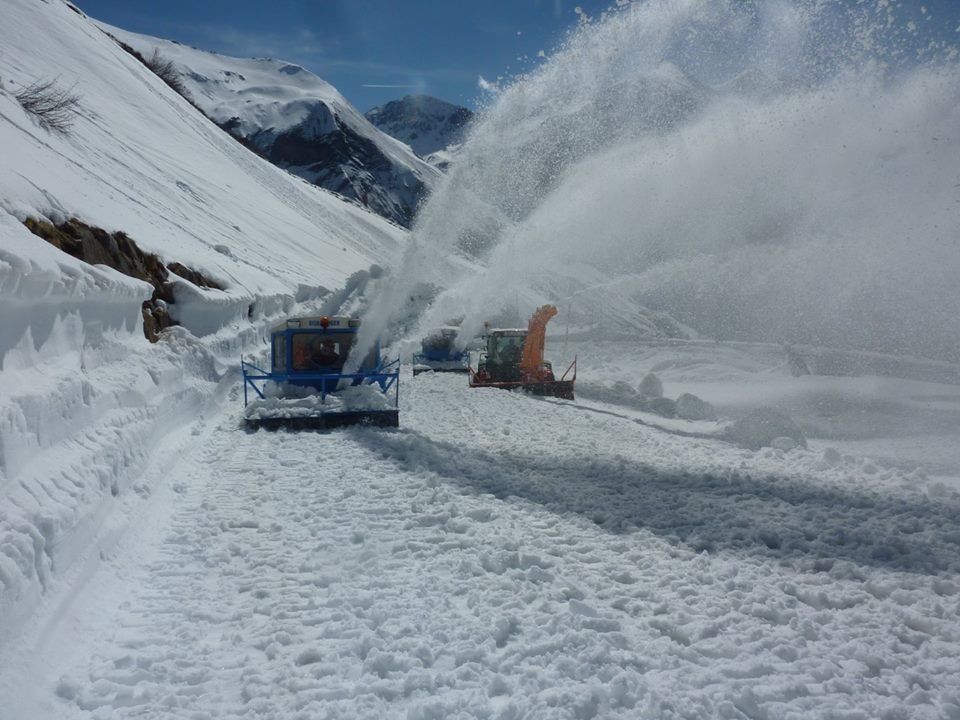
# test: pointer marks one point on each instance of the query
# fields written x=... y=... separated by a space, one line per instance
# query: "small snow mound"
x=67 y=688
x=832 y=457
x=762 y=427
x=664 y=407
x=784 y=443
x=651 y=386
x=364 y=397
x=308 y=657
x=690 y=407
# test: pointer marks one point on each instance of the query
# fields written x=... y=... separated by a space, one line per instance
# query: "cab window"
x=320 y=351
x=279 y=352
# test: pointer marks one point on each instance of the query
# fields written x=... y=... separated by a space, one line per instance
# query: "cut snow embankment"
x=38 y=284
x=85 y=401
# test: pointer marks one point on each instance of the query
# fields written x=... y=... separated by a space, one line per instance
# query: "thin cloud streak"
x=306 y=50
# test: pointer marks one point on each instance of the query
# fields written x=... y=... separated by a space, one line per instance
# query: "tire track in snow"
x=420 y=573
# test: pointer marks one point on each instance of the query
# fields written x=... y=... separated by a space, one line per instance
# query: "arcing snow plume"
x=773 y=171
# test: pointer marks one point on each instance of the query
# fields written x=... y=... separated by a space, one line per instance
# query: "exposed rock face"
x=197 y=278
x=351 y=165
x=117 y=250
x=424 y=123
x=98 y=247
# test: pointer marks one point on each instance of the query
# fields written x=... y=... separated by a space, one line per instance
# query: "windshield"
x=315 y=351
x=504 y=348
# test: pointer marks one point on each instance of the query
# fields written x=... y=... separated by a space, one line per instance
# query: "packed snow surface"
x=497 y=556
x=501 y=556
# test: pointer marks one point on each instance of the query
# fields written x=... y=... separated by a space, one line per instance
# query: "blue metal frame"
x=321 y=381
x=386 y=375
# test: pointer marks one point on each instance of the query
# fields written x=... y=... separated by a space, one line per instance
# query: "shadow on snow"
x=777 y=517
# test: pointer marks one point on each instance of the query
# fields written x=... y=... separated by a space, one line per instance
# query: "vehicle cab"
x=301 y=349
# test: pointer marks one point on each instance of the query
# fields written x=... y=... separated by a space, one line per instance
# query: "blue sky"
x=374 y=51
x=437 y=47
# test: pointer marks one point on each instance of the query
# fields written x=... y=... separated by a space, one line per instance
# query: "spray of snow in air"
x=769 y=171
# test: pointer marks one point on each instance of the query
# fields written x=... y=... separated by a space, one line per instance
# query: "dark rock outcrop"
x=117 y=250
x=424 y=123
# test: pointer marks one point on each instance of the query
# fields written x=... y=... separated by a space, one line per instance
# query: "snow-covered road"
x=500 y=556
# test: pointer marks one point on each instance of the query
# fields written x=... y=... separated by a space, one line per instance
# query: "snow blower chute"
x=438 y=353
x=513 y=358
x=306 y=386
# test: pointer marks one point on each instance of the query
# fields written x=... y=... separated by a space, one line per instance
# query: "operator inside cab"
x=312 y=352
x=325 y=354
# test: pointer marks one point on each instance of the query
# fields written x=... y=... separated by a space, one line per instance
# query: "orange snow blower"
x=513 y=358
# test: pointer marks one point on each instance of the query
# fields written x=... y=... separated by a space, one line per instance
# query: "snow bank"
x=86 y=403
x=40 y=284
x=78 y=428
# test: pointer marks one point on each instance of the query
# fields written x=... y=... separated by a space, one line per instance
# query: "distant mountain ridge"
x=299 y=122
x=426 y=124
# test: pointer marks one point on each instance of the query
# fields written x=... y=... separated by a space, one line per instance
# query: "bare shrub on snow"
x=55 y=108
x=164 y=69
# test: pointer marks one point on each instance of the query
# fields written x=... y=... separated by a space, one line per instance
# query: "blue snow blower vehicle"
x=438 y=353
x=307 y=387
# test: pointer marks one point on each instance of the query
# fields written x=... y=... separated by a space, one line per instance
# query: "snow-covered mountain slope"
x=425 y=123
x=139 y=158
x=85 y=400
x=442 y=159
x=299 y=122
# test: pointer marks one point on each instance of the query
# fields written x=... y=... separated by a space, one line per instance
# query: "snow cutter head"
x=514 y=359
x=306 y=386
x=438 y=353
